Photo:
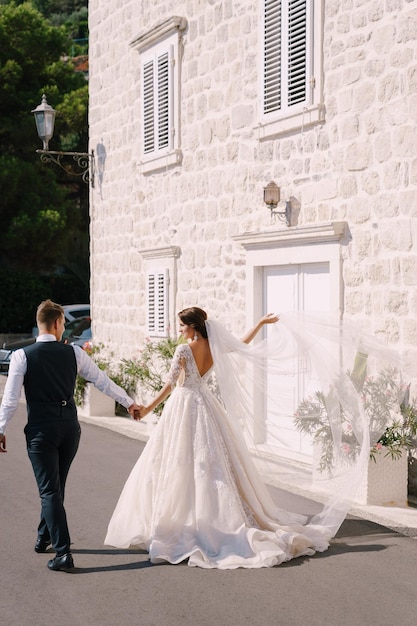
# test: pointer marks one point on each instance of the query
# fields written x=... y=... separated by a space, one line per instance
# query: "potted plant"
x=91 y=400
x=387 y=406
x=145 y=374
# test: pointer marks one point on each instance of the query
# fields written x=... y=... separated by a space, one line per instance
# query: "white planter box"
x=386 y=482
x=97 y=403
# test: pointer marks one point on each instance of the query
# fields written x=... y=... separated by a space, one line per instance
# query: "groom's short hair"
x=47 y=312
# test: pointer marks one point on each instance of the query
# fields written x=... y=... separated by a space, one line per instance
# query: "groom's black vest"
x=49 y=382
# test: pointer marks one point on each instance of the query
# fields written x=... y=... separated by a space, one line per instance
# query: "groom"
x=48 y=369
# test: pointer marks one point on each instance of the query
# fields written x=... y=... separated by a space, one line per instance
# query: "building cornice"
x=159 y=253
x=163 y=29
x=320 y=233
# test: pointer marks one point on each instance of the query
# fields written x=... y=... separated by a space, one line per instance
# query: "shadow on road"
x=365 y=532
x=113 y=568
x=104 y=551
x=363 y=529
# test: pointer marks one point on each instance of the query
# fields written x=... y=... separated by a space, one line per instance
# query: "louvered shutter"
x=157 y=303
x=163 y=101
x=287 y=54
x=157 y=86
x=148 y=108
x=297 y=52
x=272 y=56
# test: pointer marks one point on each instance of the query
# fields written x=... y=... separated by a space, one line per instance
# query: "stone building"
x=196 y=106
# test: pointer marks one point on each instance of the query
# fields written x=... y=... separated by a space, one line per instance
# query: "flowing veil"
x=307 y=403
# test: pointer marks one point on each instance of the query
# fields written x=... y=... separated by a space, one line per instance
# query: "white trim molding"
x=290 y=66
x=161 y=49
x=308 y=244
x=317 y=233
x=163 y=262
x=159 y=253
x=156 y=34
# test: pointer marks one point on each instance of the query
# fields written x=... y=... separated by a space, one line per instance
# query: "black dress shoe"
x=42 y=545
x=61 y=563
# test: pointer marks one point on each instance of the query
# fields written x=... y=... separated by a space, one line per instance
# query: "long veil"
x=308 y=402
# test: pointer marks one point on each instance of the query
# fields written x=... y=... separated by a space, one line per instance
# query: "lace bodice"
x=184 y=370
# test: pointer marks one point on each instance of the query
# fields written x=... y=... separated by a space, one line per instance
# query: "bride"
x=195 y=492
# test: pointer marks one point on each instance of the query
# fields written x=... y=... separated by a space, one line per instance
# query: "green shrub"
x=147 y=373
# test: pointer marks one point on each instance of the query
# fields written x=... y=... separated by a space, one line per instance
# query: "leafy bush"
x=382 y=398
x=148 y=372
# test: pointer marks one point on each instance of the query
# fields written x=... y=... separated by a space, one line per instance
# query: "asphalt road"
x=367 y=577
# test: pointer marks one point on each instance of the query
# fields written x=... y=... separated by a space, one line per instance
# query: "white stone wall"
x=359 y=166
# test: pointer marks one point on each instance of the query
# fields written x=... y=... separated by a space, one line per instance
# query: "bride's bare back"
x=202 y=355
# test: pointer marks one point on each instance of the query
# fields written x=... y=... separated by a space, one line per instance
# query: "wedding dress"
x=195 y=492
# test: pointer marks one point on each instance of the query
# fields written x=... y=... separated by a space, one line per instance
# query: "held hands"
x=3 y=443
x=139 y=412
x=133 y=410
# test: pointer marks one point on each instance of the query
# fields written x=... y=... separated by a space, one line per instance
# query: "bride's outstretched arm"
x=270 y=318
x=177 y=365
x=164 y=393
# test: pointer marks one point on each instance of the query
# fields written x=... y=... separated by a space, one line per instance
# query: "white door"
x=296 y=287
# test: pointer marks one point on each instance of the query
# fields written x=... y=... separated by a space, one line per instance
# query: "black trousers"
x=51 y=449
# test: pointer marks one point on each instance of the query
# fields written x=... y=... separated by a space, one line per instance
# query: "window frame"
x=311 y=110
x=162 y=263
x=163 y=39
x=157 y=303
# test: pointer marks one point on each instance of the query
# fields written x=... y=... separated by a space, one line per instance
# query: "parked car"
x=8 y=349
x=78 y=331
x=75 y=311
x=70 y=327
x=72 y=312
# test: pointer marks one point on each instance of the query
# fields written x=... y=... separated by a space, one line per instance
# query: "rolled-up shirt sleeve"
x=93 y=374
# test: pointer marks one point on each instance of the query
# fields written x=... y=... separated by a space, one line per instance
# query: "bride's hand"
x=139 y=412
x=143 y=411
x=270 y=318
x=136 y=414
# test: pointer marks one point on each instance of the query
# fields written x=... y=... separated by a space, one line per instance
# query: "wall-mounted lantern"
x=45 y=120
x=272 y=198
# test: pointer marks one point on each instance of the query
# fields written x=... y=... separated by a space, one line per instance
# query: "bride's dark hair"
x=195 y=317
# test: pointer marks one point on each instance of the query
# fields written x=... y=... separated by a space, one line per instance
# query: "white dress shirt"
x=85 y=368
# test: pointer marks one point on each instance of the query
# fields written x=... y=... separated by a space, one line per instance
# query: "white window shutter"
x=157 y=101
x=272 y=55
x=163 y=101
x=297 y=52
x=148 y=107
x=287 y=54
x=157 y=303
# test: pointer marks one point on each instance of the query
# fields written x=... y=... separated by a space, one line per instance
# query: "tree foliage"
x=22 y=291
x=72 y=14
x=43 y=210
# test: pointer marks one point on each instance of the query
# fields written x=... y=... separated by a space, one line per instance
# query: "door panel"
x=298 y=287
